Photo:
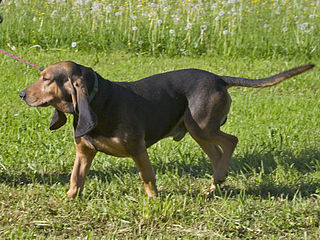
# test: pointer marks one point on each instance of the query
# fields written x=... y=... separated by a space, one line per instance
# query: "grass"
x=259 y=28
x=273 y=187
x=272 y=191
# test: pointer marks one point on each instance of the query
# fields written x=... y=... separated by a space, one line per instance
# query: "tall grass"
x=231 y=28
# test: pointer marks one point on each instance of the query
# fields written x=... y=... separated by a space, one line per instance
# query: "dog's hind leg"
x=219 y=149
x=227 y=143
x=215 y=153
x=203 y=119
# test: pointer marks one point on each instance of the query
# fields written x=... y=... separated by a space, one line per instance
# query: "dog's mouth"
x=36 y=104
x=45 y=104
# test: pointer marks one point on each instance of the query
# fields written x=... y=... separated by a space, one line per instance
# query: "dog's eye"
x=45 y=79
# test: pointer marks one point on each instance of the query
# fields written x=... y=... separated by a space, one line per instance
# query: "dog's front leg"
x=82 y=163
x=145 y=172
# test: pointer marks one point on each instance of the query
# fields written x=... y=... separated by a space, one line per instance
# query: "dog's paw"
x=209 y=190
x=72 y=193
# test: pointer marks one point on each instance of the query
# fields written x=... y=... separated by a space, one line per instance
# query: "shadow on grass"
x=269 y=189
x=28 y=178
x=307 y=161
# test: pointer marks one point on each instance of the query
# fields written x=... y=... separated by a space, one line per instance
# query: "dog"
x=123 y=119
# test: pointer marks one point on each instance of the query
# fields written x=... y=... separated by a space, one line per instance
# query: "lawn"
x=273 y=187
x=272 y=190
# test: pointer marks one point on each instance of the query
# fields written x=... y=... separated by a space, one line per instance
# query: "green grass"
x=273 y=189
x=262 y=28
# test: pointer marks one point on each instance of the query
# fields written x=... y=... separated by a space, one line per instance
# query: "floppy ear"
x=58 y=120
x=87 y=119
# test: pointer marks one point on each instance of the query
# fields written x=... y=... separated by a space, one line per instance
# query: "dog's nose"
x=22 y=94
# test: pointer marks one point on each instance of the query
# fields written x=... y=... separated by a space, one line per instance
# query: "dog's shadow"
x=262 y=164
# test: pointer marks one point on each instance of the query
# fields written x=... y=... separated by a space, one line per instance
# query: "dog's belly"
x=178 y=132
x=111 y=146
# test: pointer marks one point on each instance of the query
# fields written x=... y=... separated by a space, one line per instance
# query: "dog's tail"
x=265 y=82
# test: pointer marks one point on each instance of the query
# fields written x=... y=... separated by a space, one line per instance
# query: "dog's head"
x=65 y=86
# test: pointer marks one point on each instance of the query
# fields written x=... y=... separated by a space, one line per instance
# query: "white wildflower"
x=310 y=29
x=96 y=7
x=214 y=5
x=73 y=44
x=134 y=28
x=303 y=26
x=203 y=27
x=188 y=27
x=108 y=8
x=53 y=14
x=153 y=5
x=171 y=31
x=79 y=2
x=225 y=32
x=221 y=13
x=13 y=48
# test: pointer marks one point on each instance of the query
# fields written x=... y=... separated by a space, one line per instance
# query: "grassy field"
x=272 y=191
x=273 y=188
x=262 y=28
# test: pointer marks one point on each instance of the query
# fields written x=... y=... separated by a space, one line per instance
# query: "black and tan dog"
x=125 y=118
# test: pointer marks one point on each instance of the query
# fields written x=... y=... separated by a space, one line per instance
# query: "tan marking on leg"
x=146 y=173
x=82 y=163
